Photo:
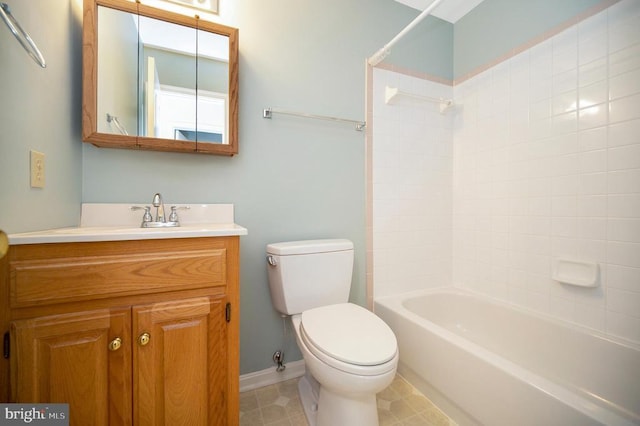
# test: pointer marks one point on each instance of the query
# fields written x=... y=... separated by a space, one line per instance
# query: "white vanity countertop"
x=116 y=222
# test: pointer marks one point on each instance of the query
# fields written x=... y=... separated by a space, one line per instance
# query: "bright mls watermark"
x=36 y=414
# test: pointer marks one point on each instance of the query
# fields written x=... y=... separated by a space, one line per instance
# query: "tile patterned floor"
x=279 y=405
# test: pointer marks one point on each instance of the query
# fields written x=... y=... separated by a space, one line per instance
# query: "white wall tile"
x=565 y=81
x=624 y=181
x=624 y=326
x=593 y=161
x=594 y=116
x=624 y=230
x=592 y=49
x=592 y=39
x=623 y=277
x=592 y=139
x=565 y=102
x=564 y=227
x=592 y=228
x=593 y=184
x=590 y=316
x=564 y=206
x=594 y=72
x=624 y=60
x=540 y=110
x=623 y=25
x=623 y=109
x=624 y=254
x=563 y=308
x=564 y=123
x=593 y=250
x=626 y=157
x=537 y=301
x=565 y=185
x=562 y=144
x=412 y=175
x=623 y=205
x=565 y=50
x=625 y=302
x=626 y=133
x=542 y=162
x=624 y=84
x=593 y=94
x=592 y=206
x=572 y=188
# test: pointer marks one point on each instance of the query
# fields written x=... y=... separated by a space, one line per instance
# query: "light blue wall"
x=495 y=27
x=40 y=110
x=427 y=48
x=293 y=178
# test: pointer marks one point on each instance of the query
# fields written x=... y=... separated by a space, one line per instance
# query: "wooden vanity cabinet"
x=62 y=358
x=127 y=332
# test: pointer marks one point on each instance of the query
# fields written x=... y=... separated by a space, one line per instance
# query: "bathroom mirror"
x=158 y=80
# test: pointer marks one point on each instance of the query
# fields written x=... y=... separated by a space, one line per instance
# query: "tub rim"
x=401 y=297
x=605 y=413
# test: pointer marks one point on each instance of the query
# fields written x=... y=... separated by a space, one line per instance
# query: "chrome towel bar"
x=21 y=35
x=268 y=113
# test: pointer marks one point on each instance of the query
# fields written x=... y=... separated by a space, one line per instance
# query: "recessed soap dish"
x=575 y=272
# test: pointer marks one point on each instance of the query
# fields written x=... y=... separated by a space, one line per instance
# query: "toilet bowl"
x=350 y=363
x=350 y=354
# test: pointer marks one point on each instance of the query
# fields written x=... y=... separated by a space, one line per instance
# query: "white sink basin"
x=114 y=222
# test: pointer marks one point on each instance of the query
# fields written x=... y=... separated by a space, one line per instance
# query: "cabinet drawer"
x=65 y=279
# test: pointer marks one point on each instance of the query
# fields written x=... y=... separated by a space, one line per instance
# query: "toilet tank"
x=309 y=274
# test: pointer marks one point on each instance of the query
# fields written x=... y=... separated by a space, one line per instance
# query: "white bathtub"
x=485 y=362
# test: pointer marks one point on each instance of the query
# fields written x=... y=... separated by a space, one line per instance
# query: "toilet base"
x=308 y=389
x=325 y=408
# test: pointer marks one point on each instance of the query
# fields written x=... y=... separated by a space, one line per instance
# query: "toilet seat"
x=350 y=338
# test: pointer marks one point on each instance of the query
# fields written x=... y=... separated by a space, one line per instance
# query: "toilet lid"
x=349 y=333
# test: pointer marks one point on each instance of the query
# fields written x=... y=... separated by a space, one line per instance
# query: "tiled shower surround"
x=412 y=187
x=539 y=160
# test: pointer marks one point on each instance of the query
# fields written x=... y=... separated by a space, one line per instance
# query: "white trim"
x=270 y=376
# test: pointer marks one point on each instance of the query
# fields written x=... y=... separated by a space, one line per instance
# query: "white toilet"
x=350 y=354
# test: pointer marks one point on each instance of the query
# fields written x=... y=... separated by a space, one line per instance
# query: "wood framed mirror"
x=157 y=80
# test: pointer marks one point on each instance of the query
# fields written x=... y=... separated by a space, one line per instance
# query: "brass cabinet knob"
x=144 y=339
x=4 y=244
x=115 y=344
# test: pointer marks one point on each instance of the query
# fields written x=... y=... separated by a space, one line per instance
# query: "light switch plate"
x=37 y=169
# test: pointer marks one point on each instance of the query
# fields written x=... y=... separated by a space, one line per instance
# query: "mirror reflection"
x=118 y=72
x=163 y=85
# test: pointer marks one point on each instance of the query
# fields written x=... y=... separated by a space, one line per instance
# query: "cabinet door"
x=180 y=369
x=67 y=359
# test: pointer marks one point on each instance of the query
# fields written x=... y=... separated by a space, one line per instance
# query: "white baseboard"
x=270 y=376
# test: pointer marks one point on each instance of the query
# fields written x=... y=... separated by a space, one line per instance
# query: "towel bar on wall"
x=391 y=93
x=113 y=119
x=268 y=113
x=21 y=35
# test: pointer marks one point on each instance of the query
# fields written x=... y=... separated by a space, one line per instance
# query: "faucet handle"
x=173 y=217
x=146 y=217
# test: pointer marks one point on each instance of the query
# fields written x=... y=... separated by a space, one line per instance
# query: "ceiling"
x=449 y=10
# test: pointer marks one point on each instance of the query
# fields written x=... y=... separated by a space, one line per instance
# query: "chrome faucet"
x=159 y=205
x=160 y=220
